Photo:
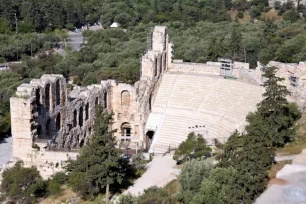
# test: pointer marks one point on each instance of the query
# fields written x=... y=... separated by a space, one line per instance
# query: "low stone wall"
x=211 y=68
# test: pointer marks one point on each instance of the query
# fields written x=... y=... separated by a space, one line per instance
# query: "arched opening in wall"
x=97 y=101
x=165 y=62
x=49 y=129
x=155 y=70
x=87 y=111
x=37 y=96
x=160 y=65
x=58 y=92
x=47 y=96
x=105 y=99
x=38 y=131
x=149 y=137
x=74 y=118
x=58 y=122
x=81 y=117
x=125 y=98
x=126 y=132
x=82 y=143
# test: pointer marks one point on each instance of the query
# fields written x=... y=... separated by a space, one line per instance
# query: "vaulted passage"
x=47 y=96
x=58 y=92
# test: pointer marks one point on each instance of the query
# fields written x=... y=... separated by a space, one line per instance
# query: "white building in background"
x=115 y=25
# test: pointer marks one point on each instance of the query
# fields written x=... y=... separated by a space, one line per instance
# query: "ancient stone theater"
x=50 y=121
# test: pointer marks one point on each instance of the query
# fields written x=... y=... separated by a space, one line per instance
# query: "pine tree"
x=99 y=161
x=278 y=115
x=235 y=43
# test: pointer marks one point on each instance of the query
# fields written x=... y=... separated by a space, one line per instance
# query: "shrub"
x=240 y=14
x=54 y=188
x=60 y=178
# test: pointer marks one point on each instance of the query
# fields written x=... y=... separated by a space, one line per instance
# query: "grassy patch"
x=276 y=167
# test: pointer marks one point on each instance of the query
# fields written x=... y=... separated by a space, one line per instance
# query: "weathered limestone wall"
x=290 y=71
x=46 y=120
x=50 y=123
x=211 y=68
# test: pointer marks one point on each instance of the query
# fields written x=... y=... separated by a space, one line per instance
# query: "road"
x=6 y=147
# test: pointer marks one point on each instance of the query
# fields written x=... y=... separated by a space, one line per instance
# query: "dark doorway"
x=47 y=97
x=58 y=122
x=105 y=100
x=49 y=129
x=81 y=117
x=58 y=92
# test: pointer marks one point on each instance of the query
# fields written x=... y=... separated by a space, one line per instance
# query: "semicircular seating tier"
x=210 y=105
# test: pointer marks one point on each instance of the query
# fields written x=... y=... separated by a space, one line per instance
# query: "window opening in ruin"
x=37 y=95
x=155 y=71
x=105 y=100
x=125 y=98
x=47 y=97
x=294 y=81
x=97 y=101
x=126 y=131
x=160 y=66
x=38 y=131
x=58 y=122
x=81 y=117
x=82 y=143
x=87 y=111
x=58 y=92
x=165 y=62
x=74 y=118
x=49 y=129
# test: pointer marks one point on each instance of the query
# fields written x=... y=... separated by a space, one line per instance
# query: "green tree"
x=99 y=164
x=236 y=43
x=194 y=147
x=191 y=177
x=22 y=184
x=216 y=187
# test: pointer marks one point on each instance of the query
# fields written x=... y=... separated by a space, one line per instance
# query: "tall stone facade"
x=50 y=122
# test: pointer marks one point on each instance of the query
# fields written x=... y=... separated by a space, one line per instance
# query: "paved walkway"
x=161 y=171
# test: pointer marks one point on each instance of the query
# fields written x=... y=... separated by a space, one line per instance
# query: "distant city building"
x=115 y=25
x=4 y=67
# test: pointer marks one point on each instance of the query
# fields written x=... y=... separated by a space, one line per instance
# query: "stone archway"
x=149 y=137
x=126 y=131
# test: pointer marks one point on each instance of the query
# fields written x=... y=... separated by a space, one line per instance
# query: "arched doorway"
x=126 y=132
x=57 y=92
x=47 y=97
x=149 y=138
